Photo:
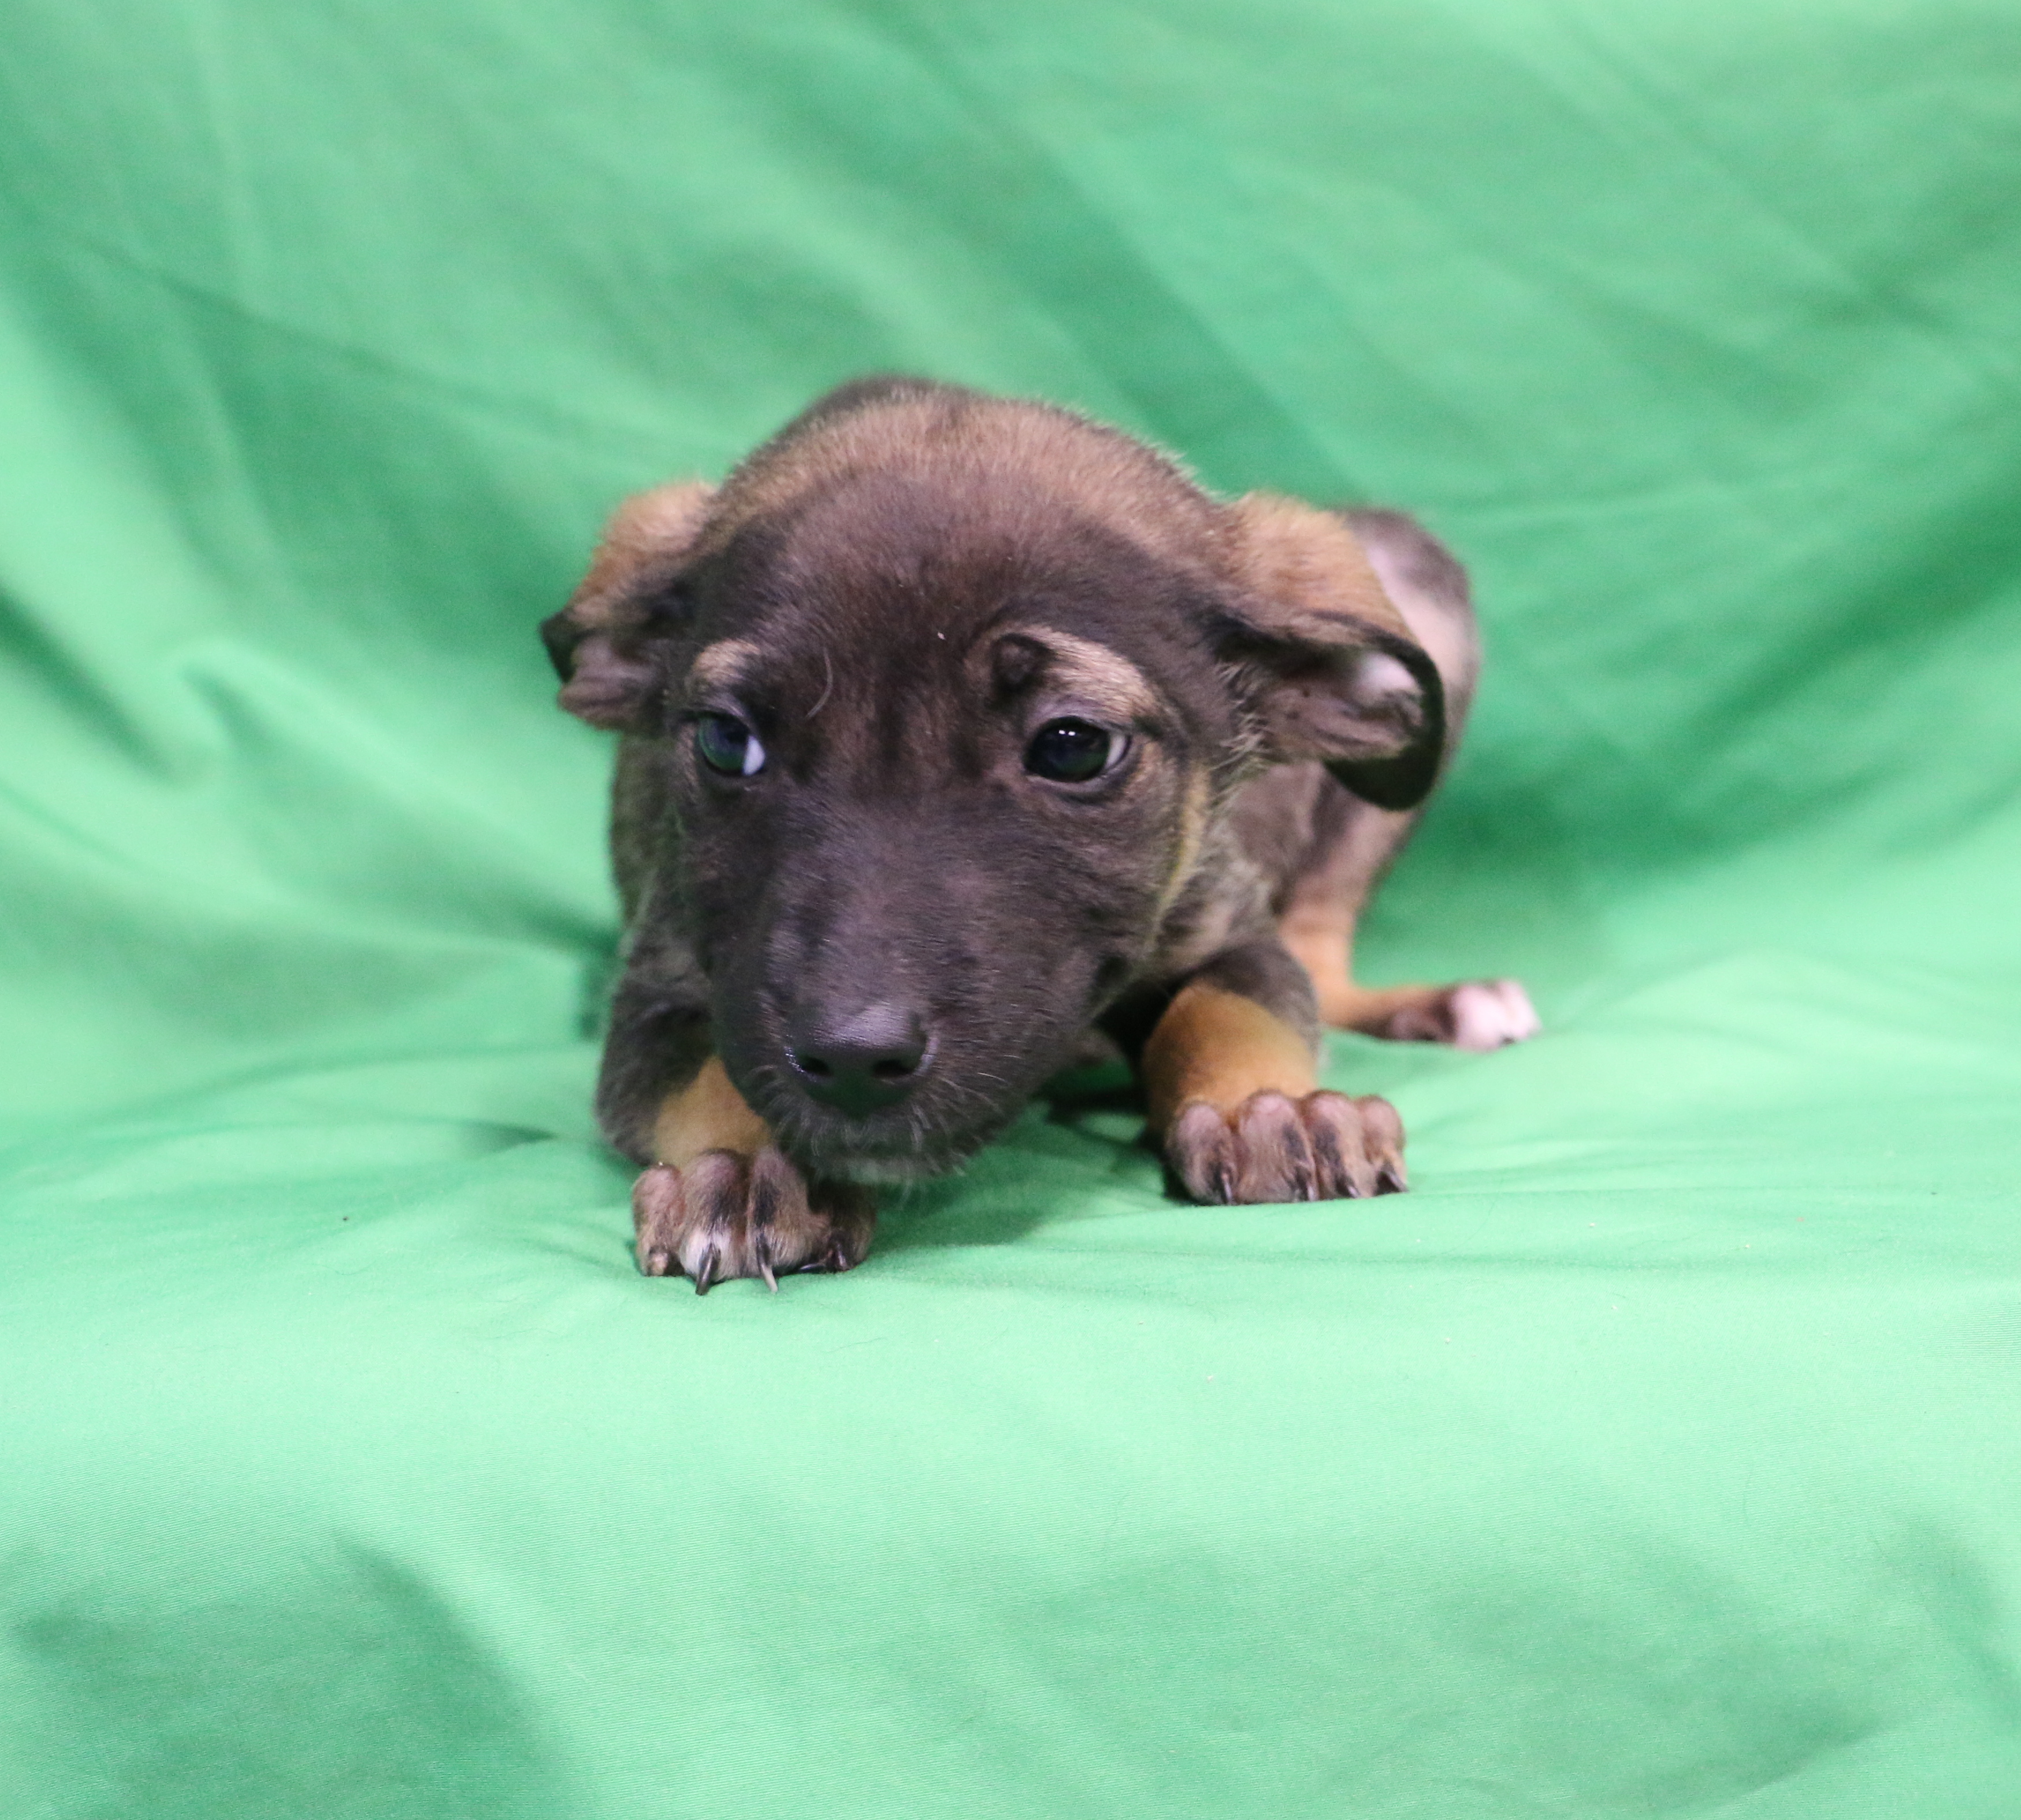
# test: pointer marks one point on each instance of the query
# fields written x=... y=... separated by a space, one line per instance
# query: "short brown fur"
x=856 y=945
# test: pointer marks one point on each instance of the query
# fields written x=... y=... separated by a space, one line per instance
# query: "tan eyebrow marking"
x=1103 y=677
x=721 y=665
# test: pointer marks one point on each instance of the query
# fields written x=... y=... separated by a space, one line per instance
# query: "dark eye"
x=1071 y=752
x=727 y=745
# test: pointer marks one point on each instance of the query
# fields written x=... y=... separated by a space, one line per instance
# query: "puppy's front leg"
x=721 y=1200
x=1231 y=1077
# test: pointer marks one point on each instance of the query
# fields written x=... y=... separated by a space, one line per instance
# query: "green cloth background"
x=1660 y=1455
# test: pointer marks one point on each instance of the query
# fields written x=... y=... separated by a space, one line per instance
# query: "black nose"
x=861 y=1063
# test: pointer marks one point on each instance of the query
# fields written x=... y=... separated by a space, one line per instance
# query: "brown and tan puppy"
x=956 y=727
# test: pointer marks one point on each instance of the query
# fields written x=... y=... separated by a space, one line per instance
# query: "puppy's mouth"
x=912 y=1141
x=927 y=1123
x=886 y=1093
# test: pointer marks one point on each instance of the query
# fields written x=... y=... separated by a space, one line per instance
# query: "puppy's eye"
x=727 y=745
x=1072 y=752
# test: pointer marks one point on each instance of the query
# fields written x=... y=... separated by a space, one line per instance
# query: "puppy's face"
x=936 y=788
x=944 y=695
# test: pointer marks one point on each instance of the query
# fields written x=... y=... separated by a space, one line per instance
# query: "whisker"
x=828 y=685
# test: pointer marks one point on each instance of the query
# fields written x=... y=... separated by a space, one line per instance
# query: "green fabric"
x=1658 y=1455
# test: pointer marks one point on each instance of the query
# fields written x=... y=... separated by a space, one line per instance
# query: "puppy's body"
x=874 y=894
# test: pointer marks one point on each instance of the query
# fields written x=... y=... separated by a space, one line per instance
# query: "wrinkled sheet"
x=1658 y=1455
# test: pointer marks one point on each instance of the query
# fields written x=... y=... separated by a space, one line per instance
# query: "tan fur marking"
x=1102 y=677
x=1320 y=947
x=707 y=1114
x=1219 y=1047
x=990 y=449
x=722 y=664
x=1321 y=938
x=1310 y=568
x=1345 y=1006
x=1194 y=813
x=649 y=529
x=1108 y=682
x=1319 y=923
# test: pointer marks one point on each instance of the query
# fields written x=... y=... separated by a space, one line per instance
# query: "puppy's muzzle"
x=862 y=1063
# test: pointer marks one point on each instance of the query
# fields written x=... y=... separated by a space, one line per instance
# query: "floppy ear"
x=599 y=643
x=1330 y=667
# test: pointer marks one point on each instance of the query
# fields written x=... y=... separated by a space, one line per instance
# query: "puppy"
x=956 y=727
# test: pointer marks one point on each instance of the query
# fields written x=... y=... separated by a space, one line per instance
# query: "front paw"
x=728 y=1215
x=1273 y=1148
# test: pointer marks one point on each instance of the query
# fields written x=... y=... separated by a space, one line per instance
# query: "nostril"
x=862 y=1060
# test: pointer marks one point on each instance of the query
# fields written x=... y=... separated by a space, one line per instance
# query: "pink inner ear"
x=1353 y=705
x=1377 y=674
x=605 y=688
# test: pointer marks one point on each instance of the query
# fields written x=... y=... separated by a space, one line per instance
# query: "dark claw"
x=1326 y=1158
x=762 y=1250
x=704 y=1273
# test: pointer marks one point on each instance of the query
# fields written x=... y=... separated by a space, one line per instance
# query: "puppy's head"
x=944 y=694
